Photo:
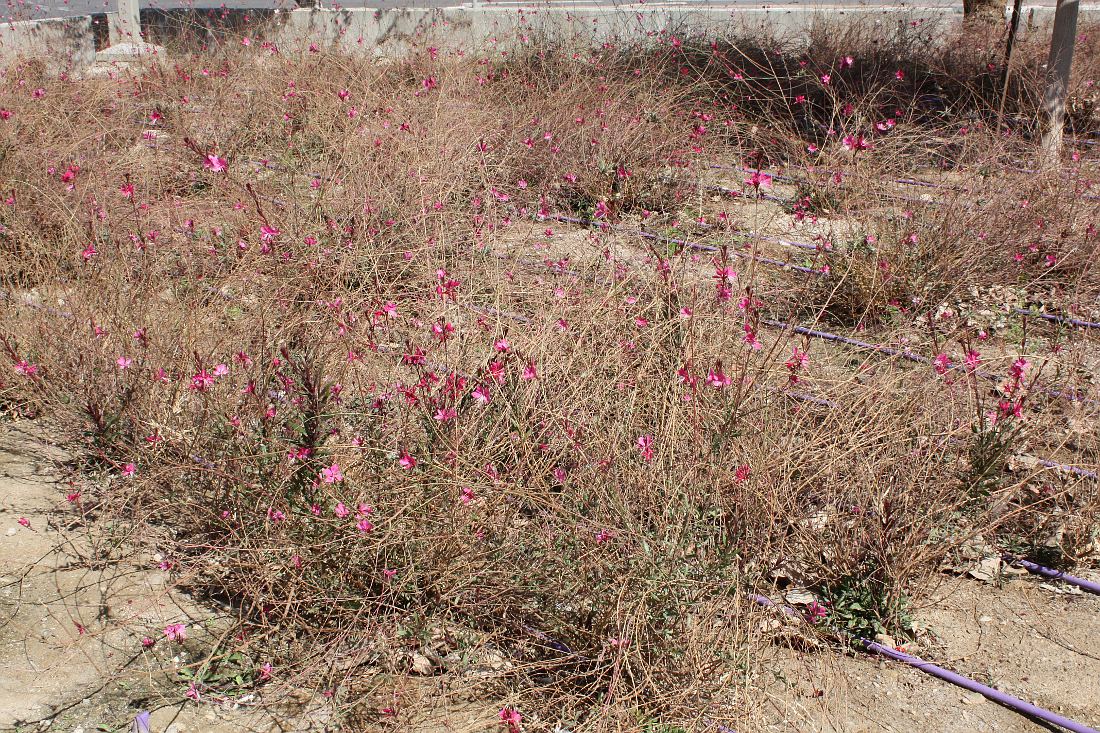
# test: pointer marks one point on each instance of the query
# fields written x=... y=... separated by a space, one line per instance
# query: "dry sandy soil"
x=71 y=655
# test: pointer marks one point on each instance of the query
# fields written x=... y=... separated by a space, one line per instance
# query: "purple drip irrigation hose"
x=685 y=243
x=800 y=396
x=1072 y=469
x=1077 y=322
x=1056 y=393
x=1066 y=320
x=1083 y=584
x=909 y=356
x=953 y=677
x=902 y=181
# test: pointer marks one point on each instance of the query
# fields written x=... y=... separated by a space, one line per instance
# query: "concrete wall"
x=66 y=40
x=392 y=31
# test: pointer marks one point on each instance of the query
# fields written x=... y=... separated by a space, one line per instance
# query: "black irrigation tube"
x=1001 y=698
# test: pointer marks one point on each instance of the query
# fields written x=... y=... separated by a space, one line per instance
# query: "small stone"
x=422 y=665
x=973 y=698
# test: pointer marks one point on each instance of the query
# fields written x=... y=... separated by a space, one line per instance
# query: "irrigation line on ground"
x=1082 y=583
x=1052 y=392
x=947 y=675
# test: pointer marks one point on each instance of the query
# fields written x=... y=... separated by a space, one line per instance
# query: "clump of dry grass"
x=359 y=385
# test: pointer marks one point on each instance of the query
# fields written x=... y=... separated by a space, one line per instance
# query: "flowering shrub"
x=331 y=348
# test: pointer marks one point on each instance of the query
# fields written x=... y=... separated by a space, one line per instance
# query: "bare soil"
x=72 y=658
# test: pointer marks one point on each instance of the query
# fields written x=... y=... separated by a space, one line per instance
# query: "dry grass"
x=362 y=386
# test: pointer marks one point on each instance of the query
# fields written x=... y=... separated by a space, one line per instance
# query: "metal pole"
x=1062 y=42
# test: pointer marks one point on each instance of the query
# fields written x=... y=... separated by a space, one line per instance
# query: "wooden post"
x=1062 y=42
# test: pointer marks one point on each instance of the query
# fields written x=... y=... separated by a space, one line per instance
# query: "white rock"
x=422 y=665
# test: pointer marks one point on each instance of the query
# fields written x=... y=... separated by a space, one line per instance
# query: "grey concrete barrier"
x=391 y=31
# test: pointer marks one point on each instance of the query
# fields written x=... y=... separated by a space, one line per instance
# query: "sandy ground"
x=71 y=655
x=70 y=639
x=1024 y=639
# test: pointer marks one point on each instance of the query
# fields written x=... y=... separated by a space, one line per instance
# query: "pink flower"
x=742 y=473
x=332 y=474
x=406 y=461
x=213 y=163
x=511 y=718
x=25 y=368
x=341 y=510
x=201 y=381
x=127 y=190
x=89 y=252
x=467 y=495
x=124 y=362
x=941 y=363
x=25 y=522
x=717 y=378
x=973 y=360
x=759 y=180
x=365 y=525
x=192 y=692
x=855 y=143
x=176 y=632
x=129 y=470
x=645 y=447
x=529 y=372
x=751 y=339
